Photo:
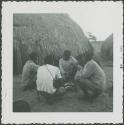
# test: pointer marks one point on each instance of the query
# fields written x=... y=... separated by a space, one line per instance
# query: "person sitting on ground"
x=21 y=106
x=29 y=72
x=49 y=81
x=91 y=78
x=68 y=66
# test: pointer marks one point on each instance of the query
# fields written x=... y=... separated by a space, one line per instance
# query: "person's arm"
x=61 y=67
x=74 y=60
x=58 y=74
x=88 y=70
x=77 y=76
x=34 y=67
x=79 y=67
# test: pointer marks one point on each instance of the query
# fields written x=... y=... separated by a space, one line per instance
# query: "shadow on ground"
x=70 y=102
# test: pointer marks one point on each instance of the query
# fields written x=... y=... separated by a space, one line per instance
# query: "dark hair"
x=84 y=58
x=33 y=56
x=21 y=106
x=48 y=59
x=67 y=54
x=79 y=56
x=88 y=56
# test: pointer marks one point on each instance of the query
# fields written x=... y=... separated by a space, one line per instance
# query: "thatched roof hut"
x=107 y=48
x=46 y=34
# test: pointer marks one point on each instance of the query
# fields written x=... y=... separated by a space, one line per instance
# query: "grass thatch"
x=107 y=48
x=45 y=34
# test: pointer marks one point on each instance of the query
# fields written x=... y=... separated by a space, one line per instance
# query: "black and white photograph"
x=57 y=68
x=62 y=57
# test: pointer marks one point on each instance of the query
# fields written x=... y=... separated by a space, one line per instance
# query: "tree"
x=91 y=37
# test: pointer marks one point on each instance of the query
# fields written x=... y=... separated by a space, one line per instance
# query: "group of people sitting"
x=52 y=82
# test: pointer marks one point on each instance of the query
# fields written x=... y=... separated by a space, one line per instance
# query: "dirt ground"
x=70 y=101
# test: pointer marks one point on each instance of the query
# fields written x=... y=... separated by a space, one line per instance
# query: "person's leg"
x=31 y=84
x=53 y=98
x=48 y=97
x=70 y=76
x=87 y=86
x=39 y=94
x=74 y=70
x=45 y=95
x=69 y=83
x=83 y=88
x=71 y=86
x=66 y=78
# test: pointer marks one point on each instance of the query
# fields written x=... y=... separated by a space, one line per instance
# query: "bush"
x=107 y=48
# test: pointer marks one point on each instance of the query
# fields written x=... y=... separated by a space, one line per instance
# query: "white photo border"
x=8 y=9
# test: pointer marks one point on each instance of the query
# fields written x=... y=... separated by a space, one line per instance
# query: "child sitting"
x=68 y=66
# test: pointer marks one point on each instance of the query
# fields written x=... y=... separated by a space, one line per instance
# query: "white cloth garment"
x=45 y=76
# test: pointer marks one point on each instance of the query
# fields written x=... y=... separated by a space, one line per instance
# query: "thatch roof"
x=107 y=48
x=46 y=34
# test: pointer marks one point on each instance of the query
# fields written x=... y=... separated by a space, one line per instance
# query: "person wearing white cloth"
x=46 y=83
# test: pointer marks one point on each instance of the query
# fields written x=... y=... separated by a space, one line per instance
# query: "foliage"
x=91 y=37
x=107 y=48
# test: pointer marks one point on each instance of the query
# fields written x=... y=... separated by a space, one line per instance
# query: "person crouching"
x=29 y=72
x=49 y=81
x=91 y=78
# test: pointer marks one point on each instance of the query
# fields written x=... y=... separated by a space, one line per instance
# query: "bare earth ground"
x=70 y=102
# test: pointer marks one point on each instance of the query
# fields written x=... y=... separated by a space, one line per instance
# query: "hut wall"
x=46 y=34
x=17 y=61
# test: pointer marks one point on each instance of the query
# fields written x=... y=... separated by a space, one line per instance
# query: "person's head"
x=21 y=106
x=66 y=54
x=33 y=56
x=84 y=58
x=80 y=59
x=48 y=60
